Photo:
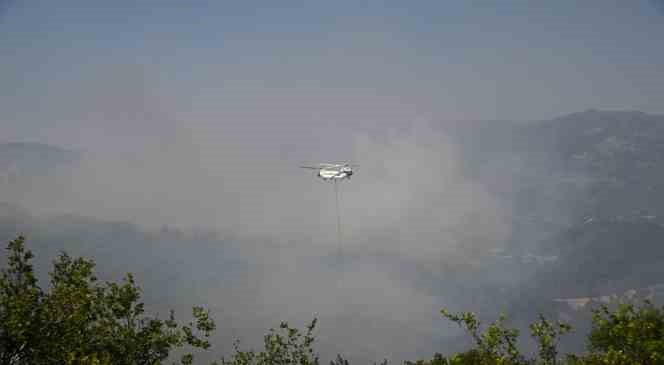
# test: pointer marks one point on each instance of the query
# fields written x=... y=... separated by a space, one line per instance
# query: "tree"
x=286 y=346
x=631 y=334
x=496 y=345
x=81 y=321
x=547 y=334
x=20 y=304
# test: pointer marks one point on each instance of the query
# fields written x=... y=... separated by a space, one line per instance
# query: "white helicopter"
x=333 y=171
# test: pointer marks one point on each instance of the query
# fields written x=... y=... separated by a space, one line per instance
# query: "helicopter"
x=333 y=171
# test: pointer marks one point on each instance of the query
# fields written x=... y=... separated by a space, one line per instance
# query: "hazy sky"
x=343 y=60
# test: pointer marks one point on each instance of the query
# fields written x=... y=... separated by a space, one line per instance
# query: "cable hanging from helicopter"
x=334 y=172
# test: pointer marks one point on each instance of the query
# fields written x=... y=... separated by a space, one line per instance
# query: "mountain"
x=555 y=173
x=586 y=196
x=601 y=257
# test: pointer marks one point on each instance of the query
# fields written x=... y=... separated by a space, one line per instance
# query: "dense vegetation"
x=78 y=320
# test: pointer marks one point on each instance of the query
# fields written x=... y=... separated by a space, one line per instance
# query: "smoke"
x=151 y=157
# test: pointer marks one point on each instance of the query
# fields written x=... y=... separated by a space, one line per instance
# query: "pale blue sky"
x=414 y=59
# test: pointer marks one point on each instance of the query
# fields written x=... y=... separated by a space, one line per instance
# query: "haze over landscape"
x=511 y=158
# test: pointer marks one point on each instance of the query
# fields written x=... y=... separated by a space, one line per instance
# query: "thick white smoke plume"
x=148 y=157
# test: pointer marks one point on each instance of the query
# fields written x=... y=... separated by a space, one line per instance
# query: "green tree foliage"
x=79 y=320
x=633 y=334
x=630 y=335
x=547 y=334
x=496 y=345
x=286 y=346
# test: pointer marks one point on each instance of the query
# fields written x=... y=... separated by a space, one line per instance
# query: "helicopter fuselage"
x=335 y=173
